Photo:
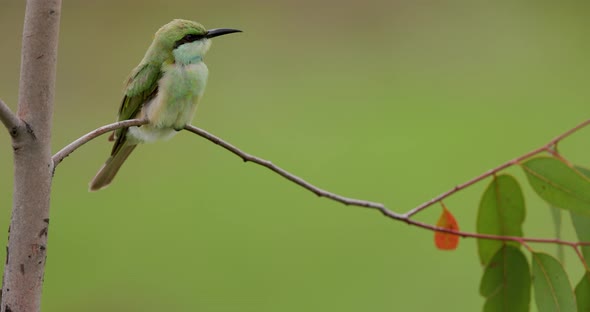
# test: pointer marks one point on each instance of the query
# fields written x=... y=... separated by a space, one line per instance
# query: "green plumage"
x=164 y=88
x=141 y=87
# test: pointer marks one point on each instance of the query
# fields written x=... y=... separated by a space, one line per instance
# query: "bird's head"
x=187 y=41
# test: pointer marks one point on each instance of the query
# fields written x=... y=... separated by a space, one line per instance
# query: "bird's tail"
x=107 y=173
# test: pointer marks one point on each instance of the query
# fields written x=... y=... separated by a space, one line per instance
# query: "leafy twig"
x=549 y=147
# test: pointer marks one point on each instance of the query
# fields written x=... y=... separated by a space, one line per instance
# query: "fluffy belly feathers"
x=179 y=91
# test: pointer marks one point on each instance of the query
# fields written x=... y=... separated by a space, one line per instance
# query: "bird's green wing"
x=142 y=86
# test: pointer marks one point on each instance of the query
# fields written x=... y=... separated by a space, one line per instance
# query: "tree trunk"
x=31 y=141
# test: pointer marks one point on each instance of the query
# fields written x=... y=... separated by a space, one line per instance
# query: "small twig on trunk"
x=9 y=119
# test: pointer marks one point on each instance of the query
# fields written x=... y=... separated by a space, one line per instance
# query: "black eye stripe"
x=188 y=38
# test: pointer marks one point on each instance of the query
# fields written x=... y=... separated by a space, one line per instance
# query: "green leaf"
x=556 y=216
x=582 y=226
x=501 y=212
x=553 y=291
x=506 y=282
x=582 y=223
x=558 y=184
x=584 y=171
x=583 y=293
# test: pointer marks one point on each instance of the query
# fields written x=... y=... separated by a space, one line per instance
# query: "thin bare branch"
x=549 y=147
x=70 y=148
x=384 y=210
x=285 y=174
x=246 y=157
x=9 y=119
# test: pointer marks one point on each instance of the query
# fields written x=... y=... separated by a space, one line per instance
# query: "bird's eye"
x=188 y=38
x=192 y=37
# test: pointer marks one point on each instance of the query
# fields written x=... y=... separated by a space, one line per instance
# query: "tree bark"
x=31 y=142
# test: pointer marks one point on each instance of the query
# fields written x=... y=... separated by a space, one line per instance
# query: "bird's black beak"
x=220 y=32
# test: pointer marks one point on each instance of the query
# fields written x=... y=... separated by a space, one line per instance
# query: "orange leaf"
x=442 y=240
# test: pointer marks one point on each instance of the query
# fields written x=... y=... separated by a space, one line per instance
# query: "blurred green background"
x=391 y=101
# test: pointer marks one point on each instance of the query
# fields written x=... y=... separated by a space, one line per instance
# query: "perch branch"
x=378 y=206
x=285 y=174
x=246 y=157
x=9 y=119
x=70 y=148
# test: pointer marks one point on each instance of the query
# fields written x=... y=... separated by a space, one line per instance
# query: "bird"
x=164 y=89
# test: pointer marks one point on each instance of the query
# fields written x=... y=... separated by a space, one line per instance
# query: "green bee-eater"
x=164 y=88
